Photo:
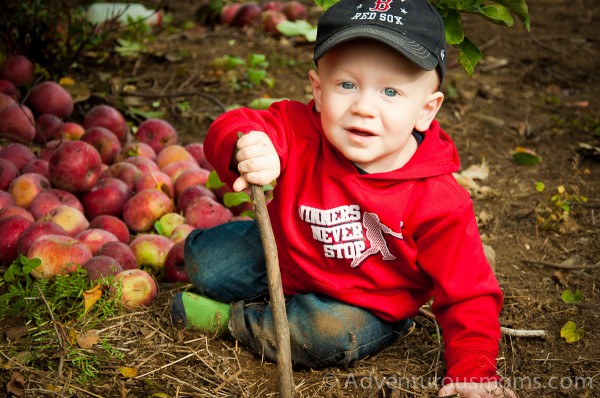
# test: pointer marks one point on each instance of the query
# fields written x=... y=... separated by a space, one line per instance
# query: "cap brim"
x=408 y=47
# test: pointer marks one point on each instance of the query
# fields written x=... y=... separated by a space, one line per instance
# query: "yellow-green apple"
x=34 y=231
x=205 y=212
x=120 y=252
x=75 y=166
x=113 y=224
x=175 y=264
x=94 y=238
x=18 y=154
x=138 y=288
x=157 y=133
x=151 y=250
x=109 y=117
x=50 y=97
x=181 y=232
x=11 y=229
x=173 y=153
x=190 y=194
x=156 y=180
x=71 y=219
x=168 y=222
x=144 y=208
x=26 y=186
x=108 y=196
x=8 y=172
x=105 y=141
x=51 y=198
x=59 y=254
x=101 y=267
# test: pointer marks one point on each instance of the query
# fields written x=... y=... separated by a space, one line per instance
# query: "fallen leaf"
x=128 y=372
x=88 y=339
x=571 y=333
x=91 y=296
x=477 y=172
x=16 y=385
x=525 y=156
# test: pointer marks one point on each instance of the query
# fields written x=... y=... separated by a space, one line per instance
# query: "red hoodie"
x=387 y=242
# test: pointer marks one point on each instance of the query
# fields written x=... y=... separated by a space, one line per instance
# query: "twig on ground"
x=61 y=343
x=562 y=266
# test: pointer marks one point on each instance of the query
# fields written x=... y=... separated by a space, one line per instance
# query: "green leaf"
x=298 y=28
x=571 y=298
x=233 y=62
x=498 y=14
x=258 y=61
x=29 y=264
x=325 y=4
x=571 y=333
x=256 y=76
x=263 y=103
x=214 y=182
x=469 y=55
x=524 y=156
x=147 y=114
x=454 y=29
x=233 y=199
x=159 y=228
x=539 y=186
x=520 y=8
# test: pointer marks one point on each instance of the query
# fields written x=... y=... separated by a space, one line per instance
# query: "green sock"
x=191 y=311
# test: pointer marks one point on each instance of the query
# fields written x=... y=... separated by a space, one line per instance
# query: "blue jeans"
x=226 y=263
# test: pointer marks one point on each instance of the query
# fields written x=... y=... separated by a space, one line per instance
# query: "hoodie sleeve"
x=466 y=296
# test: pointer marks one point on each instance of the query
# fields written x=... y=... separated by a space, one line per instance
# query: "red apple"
x=125 y=171
x=108 y=196
x=15 y=210
x=94 y=238
x=173 y=153
x=18 y=154
x=11 y=229
x=294 y=10
x=109 y=117
x=39 y=166
x=8 y=89
x=50 y=97
x=197 y=151
x=72 y=131
x=205 y=212
x=175 y=264
x=270 y=19
x=99 y=267
x=6 y=100
x=6 y=199
x=49 y=199
x=151 y=250
x=17 y=121
x=145 y=165
x=59 y=255
x=26 y=186
x=190 y=178
x=156 y=180
x=228 y=13
x=181 y=232
x=75 y=166
x=138 y=288
x=8 y=172
x=136 y=149
x=72 y=220
x=105 y=141
x=112 y=224
x=48 y=127
x=120 y=252
x=168 y=222
x=18 y=69
x=190 y=194
x=157 y=133
x=145 y=207
x=175 y=169
x=248 y=14
x=36 y=230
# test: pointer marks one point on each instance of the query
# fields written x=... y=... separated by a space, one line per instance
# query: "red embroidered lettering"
x=382 y=5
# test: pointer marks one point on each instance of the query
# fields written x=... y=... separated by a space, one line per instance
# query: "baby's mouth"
x=362 y=133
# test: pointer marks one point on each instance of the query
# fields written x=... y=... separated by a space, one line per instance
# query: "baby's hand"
x=476 y=390
x=258 y=162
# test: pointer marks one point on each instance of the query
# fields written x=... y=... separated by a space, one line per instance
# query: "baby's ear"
x=315 y=83
x=429 y=110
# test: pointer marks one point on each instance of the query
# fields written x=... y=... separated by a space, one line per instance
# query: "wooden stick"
x=277 y=300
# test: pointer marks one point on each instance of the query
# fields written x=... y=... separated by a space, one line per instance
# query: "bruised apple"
x=205 y=212
x=71 y=219
x=138 y=287
x=59 y=254
x=25 y=187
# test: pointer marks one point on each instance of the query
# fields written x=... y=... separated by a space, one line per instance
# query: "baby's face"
x=371 y=98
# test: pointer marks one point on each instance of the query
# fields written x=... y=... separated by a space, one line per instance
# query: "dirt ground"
x=533 y=89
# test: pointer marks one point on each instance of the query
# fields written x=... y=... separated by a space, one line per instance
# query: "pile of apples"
x=94 y=194
x=268 y=15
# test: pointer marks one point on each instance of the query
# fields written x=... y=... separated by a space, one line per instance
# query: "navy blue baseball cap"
x=412 y=27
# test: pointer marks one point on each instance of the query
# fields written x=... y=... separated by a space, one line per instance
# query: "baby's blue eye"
x=347 y=85
x=390 y=92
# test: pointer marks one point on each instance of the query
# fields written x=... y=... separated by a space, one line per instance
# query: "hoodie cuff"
x=470 y=367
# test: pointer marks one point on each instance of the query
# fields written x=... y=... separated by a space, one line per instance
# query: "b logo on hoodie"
x=344 y=236
x=382 y=5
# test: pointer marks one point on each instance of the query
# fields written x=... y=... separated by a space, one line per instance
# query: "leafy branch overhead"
x=498 y=12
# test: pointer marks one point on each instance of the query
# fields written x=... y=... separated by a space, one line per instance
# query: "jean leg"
x=324 y=332
x=226 y=263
